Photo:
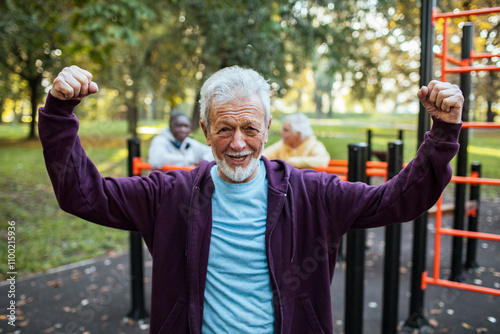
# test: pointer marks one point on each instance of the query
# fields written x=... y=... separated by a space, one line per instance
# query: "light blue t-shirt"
x=238 y=297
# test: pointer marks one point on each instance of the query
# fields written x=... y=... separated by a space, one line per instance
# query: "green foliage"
x=29 y=46
x=163 y=51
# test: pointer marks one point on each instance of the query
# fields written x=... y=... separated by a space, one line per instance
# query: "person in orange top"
x=298 y=146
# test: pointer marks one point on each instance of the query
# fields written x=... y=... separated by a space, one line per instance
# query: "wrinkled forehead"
x=249 y=107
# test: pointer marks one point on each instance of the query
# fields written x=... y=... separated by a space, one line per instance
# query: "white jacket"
x=163 y=152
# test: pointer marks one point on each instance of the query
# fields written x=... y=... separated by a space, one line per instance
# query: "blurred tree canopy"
x=29 y=34
x=155 y=55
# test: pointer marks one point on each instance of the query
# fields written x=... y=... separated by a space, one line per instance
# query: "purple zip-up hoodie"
x=307 y=214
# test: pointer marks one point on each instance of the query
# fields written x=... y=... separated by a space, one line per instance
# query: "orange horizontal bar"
x=376 y=172
x=337 y=163
x=475 y=180
x=332 y=169
x=468 y=13
x=457 y=285
x=139 y=165
x=166 y=168
x=469 y=234
x=466 y=69
x=474 y=55
x=453 y=60
x=376 y=164
x=488 y=125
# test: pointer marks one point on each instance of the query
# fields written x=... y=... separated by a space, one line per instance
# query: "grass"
x=47 y=237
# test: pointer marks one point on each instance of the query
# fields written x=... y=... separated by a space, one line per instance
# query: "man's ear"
x=205 y=131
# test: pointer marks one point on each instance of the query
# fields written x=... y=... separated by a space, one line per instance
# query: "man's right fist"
x=73 y=83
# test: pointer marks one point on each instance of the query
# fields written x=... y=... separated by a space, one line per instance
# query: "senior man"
x=229 y=238
x=298 y=146
x=173 y=146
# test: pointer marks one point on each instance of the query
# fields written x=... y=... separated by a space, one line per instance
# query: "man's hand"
x=73 y=83
x=442 y=100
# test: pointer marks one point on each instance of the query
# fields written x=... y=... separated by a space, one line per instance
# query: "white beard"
x=239 y=173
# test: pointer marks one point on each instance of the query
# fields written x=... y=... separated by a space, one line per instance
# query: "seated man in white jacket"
x=173 y=146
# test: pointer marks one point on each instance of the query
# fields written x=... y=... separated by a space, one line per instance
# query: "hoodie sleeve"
x=125 y=203
x=406 y=196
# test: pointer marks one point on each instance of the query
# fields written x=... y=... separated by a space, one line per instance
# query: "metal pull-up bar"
x=464 y=65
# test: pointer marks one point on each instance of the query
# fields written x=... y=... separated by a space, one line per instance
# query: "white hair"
x=232 y=84
x=300 y=123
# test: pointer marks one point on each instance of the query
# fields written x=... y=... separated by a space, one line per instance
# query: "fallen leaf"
x=466 y=325
x=24 y=323
x=55 y=283
x=434 y=323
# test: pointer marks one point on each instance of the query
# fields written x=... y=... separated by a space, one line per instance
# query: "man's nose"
x=238 y=142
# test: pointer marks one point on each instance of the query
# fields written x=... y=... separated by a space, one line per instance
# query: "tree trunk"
x=132 y=120
x=195 y=118
x=330 y=108
x=35 y=88
x=133 y=114
x=2 y=102
x=491 y=95
x=490 y=115
x=318 y=100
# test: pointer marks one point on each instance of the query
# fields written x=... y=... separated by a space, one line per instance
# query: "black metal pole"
x=390 y=295
x=460 y=188
x=416 y=318
x=369 y=136
x=369 y=149
x=475 y=196
x=355 y=250
x=138 y=311
x=400 y=134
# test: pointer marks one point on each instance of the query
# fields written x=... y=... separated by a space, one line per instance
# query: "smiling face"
x=237 y=135
x=180 y=127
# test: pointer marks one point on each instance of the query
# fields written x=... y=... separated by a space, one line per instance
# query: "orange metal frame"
x=474 y=179
x=484 y=125
x=464 y=65
x=138 y=166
